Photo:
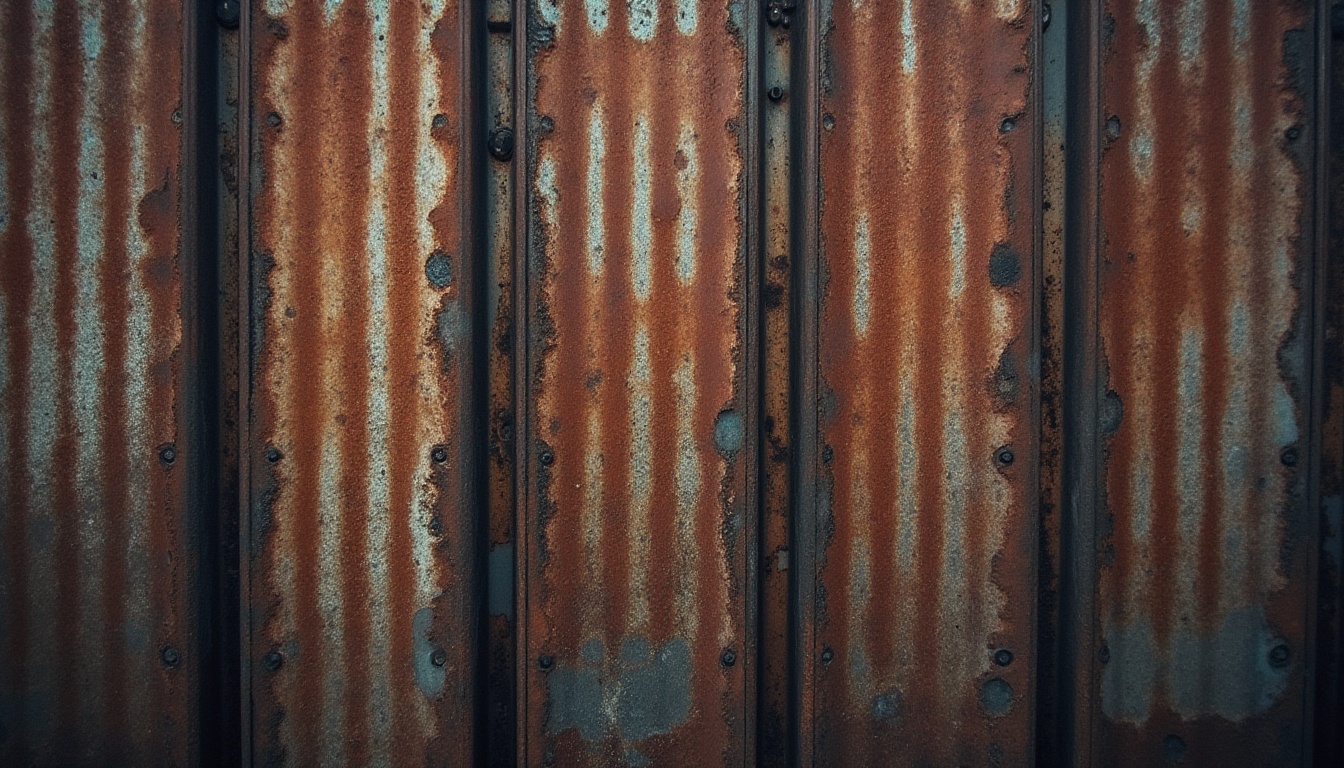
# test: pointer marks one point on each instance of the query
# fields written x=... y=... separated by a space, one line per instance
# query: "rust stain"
x=927 y=385
x=638 y=513
x=1202 y=570
x=99 y=658
x=364 y=541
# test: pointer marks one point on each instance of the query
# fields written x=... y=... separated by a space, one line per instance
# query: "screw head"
x=1008 y=125
x=501 y=144
x=273 y=661
x=273 y=119
x=1005 y=456
x=728 y=658
x=273 y=454
x=1293 y=133
x=547 y=458
x=439 y=454
x=440 y=121
x=546 y=662
x=775 y=93
x=1003 y=657
x=168 y=454
x=1104 y=654
x=1279 y=655
x=1113 y=126
x=827 y=656
x=227 y=13
x=1288 y=457
x=439 y=657
x=1045 y=16
x=171 y=657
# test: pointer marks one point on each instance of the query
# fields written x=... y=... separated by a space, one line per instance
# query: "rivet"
x=1005 y=456
x=1279 y=655
x=168 y=454
x=273 y=454
x=273 y=661
x=1288 y=457
x=774 y=15
x=546 y=662
x=828 y=122
x=827 y=655
x=501 y=144
x=1007 y=125
x=545 y=124
x=170 y=656
x=439 y=269
x=1045 y=17
x=439 y=657
x=273 y=119
x=728 y=658
x=227 y=13
x=547 y=458
x=1113 y=127
x=1293 y=133
x=440 y=121
x=439 y=454
x=1003 y=657
x=775 y=93
x=1104 y=654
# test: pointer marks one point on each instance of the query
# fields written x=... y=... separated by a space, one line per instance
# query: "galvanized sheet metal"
x=927 y=385
x=636 y=514
x=1205 y=331
x=364 y=588
x=98 y=661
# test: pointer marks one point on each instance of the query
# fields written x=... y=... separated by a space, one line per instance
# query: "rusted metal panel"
x=364 y=585
x=921 y=617
x=99 y=661
x=1204 y=317
x=637 y=520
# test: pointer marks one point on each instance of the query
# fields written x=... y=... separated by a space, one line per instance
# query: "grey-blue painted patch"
x=728 y=432
x=1005 y=266
x=439 y=269
x=996 y=697
x=501 y=580
x=887 y=705
x=651 y=691
x=428 y=678
x=1112 y=413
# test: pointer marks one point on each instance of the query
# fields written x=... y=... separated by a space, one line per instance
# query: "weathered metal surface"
x=98 y=657
x=1205 y=279
x=922 y=610
x=637 y=519
x=365 y=593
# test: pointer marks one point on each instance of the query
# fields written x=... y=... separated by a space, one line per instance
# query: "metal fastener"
x=501 y=144
x=1007 y=125
x=827 y=454
x=439 y=657
x=273 y=119
x=439 y=454
x=1279 y=655
x=1288 y=457
x=547 y=458
x=1005 y=456
x=1003 y=657
x=170 y=656
x=1293 y=133
x=1104 y=655
x=1113 y=126
x=168 y=454
x=227 y=13
x=273 y=454
x=775 y=93
x=728 y=658
x=827 y=655
x=273 y=661
x=546 y=662
x=1045 y=17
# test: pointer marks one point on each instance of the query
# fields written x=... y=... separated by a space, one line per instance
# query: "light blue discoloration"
x=549 y=193
x=996 y=697
x=643 y=18
x=1241 y=23
x=429 y=678
x=500 y=573
x=907 y=530
x=641 y=218
x=688 y=16
x=1141 y=153
x=688 y=482
x=1128 y=679
x=688 y=179
x=728 y=432
x=1192 y=22
x=591 y=651
x=1192 y=217
x=862 y=276
x=1242 y=151
x=1283 y=414
x=549 y=11
x=957 y=240
x=646 y=698
x=1190 y=460
x=597 y=153
x=909 y=45
x=331 y=605
x=957 y=476
x=331 y=8
x=598 y=13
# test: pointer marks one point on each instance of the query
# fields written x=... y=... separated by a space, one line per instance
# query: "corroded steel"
x=637 y=520
x=98 y=662
x=925 y=495
x=364 y=592
x=1205 y=279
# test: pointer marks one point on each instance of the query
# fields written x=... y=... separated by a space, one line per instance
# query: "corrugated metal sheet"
x=363 y=555
x=1205 y=275
x=99 y=661
x=636 y=515
x=893 y=382
x=927 y=385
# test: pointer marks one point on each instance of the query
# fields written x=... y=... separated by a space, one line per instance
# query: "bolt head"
x=273 y=660
x=546 y=662
x=439 y=657
x=1293 y=133
x=273 y=454
x=1104 y=654
x=439 y=454
x=827 y=656
x=1003 y=657
x=729 y=657
x=547 y=458
x=1007 y=125
x=227 y=13
x=171 y=657
x=168 y=454
x=1005 y=456
x=1288 y=457
x=1279 y=655
x=501 y=144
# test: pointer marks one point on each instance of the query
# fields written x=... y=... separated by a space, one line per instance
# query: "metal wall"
x=666 y=382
